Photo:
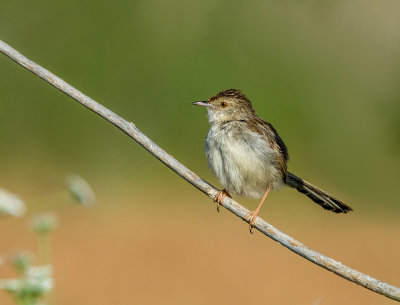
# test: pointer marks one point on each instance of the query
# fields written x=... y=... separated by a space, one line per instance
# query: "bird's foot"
x=221 y=195
x=251 y=218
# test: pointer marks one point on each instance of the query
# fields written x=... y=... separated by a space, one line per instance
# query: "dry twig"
x=261 y=225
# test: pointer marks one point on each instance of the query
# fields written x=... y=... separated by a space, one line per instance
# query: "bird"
x=248 y=156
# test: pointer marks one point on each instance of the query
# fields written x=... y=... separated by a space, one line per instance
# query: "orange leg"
x=221 y=195
x=251 y=217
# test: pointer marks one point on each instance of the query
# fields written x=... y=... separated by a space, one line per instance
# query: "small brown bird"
x=248 y=156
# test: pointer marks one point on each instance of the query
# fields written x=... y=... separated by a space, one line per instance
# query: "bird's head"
x=228 y=105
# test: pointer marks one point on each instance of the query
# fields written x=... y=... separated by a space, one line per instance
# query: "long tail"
x=325 y=200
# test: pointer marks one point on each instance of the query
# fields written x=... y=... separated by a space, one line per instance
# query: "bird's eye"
x=223 y=104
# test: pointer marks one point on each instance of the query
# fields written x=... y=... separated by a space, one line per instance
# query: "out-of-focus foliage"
x=325 y=74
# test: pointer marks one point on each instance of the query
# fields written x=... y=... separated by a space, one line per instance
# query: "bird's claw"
x=220 y=196
x=251 y=218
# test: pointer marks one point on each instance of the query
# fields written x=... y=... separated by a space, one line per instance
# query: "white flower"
x=35 y=282
x=10 y=285
x=10 y=204
x=21 y=261
x=81 y=190
x=44 y=223
x=40 y=277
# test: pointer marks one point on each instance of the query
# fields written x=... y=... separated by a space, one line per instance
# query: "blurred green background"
x=326 y=74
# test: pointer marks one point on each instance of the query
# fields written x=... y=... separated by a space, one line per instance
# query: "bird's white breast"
x=241 y=159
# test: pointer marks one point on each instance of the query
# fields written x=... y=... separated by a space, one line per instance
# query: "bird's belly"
x=244 y=165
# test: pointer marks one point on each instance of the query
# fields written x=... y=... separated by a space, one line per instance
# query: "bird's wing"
x=271 y=135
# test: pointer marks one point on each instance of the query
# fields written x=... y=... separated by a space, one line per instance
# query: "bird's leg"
x=221 y=195
x=251 y=217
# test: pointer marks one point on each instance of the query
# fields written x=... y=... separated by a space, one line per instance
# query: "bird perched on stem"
x=248 y=156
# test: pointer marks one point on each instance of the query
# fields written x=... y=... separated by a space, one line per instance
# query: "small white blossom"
x=35 y=282
x=11 y=204
x=12 y=285
x=81 y=190
x=22 y=261
x=40 y=277
x=44 y=223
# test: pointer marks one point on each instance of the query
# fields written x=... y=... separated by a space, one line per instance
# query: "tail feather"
x=325 y=200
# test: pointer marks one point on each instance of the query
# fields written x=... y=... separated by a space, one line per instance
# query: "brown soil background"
x=171 y=253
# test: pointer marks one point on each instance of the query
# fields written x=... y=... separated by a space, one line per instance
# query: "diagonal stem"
x=231 y=205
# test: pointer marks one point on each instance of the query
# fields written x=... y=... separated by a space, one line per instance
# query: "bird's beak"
x=203 y=103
